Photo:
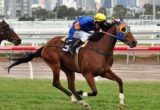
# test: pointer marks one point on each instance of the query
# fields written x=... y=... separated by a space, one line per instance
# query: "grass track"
x=25 y=94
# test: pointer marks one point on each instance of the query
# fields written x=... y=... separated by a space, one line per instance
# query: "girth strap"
x=77 y=62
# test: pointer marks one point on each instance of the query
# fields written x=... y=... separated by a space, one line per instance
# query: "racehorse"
x=7 y=33
x=95 y=59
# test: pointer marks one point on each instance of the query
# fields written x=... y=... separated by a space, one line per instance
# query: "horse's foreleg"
x=90 y=80
x=109 y=74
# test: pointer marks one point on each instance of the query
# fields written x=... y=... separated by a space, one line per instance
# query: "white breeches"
x=82 y=35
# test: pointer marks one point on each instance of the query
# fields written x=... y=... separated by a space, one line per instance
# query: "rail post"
x=31 y=70
x=128 y=56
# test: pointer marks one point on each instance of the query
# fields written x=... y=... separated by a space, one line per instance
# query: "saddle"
x=70 y=43
x=94 y=38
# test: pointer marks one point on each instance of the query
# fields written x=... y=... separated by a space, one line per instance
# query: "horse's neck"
x=107 y=43
x=1 y=26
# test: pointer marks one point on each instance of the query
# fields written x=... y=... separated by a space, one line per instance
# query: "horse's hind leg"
x=56 y=75
x=91 y=82
x=71 y=85
x=109 y=74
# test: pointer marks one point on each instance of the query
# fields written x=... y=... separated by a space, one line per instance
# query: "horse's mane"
x=3 y=22
x=97 y=36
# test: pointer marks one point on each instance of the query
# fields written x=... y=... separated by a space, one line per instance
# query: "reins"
x=99 y=51
x=109 y=34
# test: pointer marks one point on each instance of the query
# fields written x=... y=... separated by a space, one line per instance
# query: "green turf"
x=25 y=94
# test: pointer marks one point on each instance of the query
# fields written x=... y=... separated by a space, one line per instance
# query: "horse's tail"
x=26 y=58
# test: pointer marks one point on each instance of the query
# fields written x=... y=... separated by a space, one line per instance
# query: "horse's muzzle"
x=17 y=42
x=133 y=44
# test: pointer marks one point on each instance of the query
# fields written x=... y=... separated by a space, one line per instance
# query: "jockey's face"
x=98 y=24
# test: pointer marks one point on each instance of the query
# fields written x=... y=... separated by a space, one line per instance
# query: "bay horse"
x=7 y=33
x=95 y=59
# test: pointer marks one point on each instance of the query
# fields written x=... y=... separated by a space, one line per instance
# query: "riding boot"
x=73 y=47
x=67 y=44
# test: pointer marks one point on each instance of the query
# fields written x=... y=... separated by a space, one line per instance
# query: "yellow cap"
x=99 y=17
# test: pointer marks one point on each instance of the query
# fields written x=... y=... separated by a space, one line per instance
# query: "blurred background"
x=69 y=9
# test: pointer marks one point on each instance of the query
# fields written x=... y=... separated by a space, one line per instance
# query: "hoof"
x=121 y=106
x=80 y=92
x=73 y=102
x=85 y=105
x=73 y=99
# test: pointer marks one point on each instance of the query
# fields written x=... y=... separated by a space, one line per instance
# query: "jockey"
x=80 y=31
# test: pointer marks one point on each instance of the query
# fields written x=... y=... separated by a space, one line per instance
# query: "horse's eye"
x=123 y=29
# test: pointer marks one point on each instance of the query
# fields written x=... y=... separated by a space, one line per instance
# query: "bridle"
x=120 y=35
x=120 y=32
x=112 y=35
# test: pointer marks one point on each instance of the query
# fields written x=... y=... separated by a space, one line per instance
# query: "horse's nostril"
x=19 y=40
x=134 y=43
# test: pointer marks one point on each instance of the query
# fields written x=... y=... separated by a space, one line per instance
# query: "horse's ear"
x=3 y=21
x=121 y=20
x=116 y=22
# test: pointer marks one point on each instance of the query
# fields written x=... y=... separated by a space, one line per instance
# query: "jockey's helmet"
x=100 y=17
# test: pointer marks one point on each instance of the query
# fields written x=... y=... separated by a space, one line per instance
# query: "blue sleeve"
x=71 y=31
x=86 y=22
x=83 y=21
